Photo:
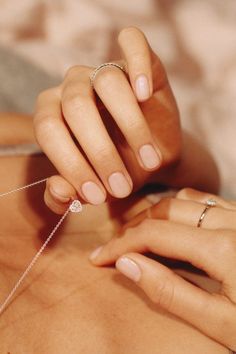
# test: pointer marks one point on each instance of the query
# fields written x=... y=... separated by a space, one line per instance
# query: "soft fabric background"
x=196 y=40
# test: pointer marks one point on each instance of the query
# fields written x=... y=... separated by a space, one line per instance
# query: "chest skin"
x=66 y=305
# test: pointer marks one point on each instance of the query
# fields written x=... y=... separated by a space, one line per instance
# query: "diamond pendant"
x=76 y=206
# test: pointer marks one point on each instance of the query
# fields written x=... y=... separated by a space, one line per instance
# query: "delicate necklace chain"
x=75 y=207
x=22 y=188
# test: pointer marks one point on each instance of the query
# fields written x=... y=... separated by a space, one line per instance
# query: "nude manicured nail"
x=142 y=88
x=93 y=193
x=58 y=196
x=95 y=253
x=149 y=156
x=119 y=185
x=129 y=268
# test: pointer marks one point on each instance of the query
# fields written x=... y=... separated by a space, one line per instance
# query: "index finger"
x=213 y=251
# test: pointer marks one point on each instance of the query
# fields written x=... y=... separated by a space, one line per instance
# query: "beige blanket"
x=196 y=40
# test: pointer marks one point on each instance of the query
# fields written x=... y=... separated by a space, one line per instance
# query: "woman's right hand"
x=113 y=138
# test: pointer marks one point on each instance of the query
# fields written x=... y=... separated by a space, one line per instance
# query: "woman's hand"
x=169 y=229
x=113 y=138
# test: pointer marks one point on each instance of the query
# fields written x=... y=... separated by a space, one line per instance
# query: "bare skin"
x=67 y=305
x=15 y=129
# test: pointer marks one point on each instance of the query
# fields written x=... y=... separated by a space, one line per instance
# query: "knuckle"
x=44 y=95
x=162 y=293
x=74 y=104
x=43 y=126
x=75 y=70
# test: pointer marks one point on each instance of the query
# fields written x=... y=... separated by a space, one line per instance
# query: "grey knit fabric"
x=20 y=82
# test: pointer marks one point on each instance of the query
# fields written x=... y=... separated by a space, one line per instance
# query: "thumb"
x=166 y=289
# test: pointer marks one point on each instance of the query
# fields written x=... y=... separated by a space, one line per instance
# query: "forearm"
x=16 y=129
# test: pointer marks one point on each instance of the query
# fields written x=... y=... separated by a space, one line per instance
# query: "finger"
x=137 y=54
x=136 y=220
x=58 y=194
x=141 y=59
x=202 y=197
x=114 y=90
x=56 y=141
x=209 y=250
x=187 y=212
x=83 y=118
x=211 y=314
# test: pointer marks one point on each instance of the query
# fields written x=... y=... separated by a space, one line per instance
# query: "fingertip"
x=138 y=56
x=129 y=267
x=128 y=32
x=143 y=89
x=94 y=255
x=94 y=194
x=61 y=190
x=55 y=205
x=58 y=197
x=58 y=194
x=151 y=157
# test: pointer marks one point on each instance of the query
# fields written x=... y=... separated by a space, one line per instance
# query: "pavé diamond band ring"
x=102 y=66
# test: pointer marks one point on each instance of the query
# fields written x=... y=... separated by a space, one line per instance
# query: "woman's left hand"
x=169 y=229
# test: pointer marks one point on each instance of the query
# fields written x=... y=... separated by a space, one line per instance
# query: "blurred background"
x=196 y=40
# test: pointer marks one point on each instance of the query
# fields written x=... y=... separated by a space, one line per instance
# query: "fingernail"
x=129 y=268
x=142 y=88
x=58 y=196
x=119 y=185
x=95 y=253
x=93 y=193
x=149 y=156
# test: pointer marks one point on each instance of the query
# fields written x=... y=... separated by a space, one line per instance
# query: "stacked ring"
x=102 y=66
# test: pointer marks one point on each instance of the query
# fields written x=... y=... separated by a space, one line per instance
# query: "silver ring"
x=210 y=203
x=102 y=66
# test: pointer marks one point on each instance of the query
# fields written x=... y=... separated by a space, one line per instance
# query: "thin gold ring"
x=210 y=203
x=102 y=66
